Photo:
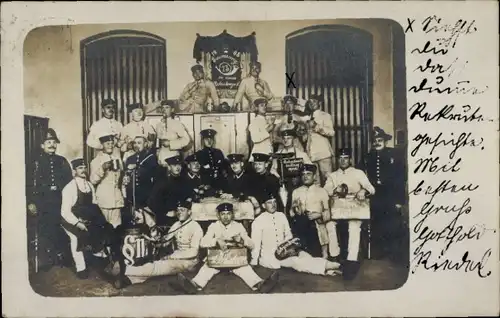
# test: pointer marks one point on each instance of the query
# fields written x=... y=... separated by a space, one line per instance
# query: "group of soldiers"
x=140 y=183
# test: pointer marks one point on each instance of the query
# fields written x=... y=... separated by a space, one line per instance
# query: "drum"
x=136 y=246
x=230 y=258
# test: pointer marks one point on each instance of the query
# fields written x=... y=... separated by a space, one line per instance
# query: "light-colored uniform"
x=108 y=189
x=349 y=208
x=69 y=198
x=187 y=236
x=269 y=230
x=282 y=124
x=132 y=130
x=260 y=137
x=315 y=199
x=318 y=145
x=216 y=231
x=195 y=96
x=173 y=130
x=101 y=128
x=247 y=89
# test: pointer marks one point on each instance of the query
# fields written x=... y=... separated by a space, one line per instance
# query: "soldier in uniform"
x=348 y=188
x=139 y=179
x=288 y=150
x=106 y=171
x=271 y=229
x=172 y=134
x=310 y=203
x=212 y=160
x=290 y=120
x=167 y=192
x=52 y=173
x=136 y=127
x=266 y=181
x=320 y=130
x=260 y=129
x=183 y=239
x=195 y=95
x=252 y=88
x=82 y=219
x=107 y=124
x=222 y=235
x=196 y=185
x=387 y=173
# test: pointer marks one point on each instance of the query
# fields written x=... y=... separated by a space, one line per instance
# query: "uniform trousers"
x=113 y=216
x=78 y=256
x=138 y=274
x=325 y=167
x=246 y=273
x=353 y=241
x=304 y=262
x=325 y=232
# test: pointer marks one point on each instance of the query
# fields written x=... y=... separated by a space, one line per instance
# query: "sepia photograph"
x=222 y=157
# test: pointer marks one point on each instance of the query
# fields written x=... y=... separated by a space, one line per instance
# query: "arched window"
x=336 y=61
x=125 y=65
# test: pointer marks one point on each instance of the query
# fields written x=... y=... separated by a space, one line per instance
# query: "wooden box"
x=232 y=257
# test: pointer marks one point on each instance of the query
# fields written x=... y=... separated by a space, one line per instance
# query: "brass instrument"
x=288 y=248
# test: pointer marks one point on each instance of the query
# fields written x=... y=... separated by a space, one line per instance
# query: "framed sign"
x=227 y=60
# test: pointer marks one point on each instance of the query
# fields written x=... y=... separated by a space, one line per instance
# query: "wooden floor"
x=373 y=275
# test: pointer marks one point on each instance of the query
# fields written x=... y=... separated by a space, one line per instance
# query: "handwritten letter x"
x=410 y=25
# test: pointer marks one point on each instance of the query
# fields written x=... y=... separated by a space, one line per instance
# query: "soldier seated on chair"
x=224 y=235
x=196 y=185
x=146 y=252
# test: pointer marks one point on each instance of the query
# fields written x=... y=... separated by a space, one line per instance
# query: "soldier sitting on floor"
x=147 y=253
x=226 y=234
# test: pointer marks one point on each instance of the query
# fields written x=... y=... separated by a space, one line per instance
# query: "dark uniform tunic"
x=213 y=166
x=100 y=232
x=164 y=196
x=262 y=185
x=52 y=173
x=142 y=169
x=386 y=172
x=191 y=185
x=239 y=185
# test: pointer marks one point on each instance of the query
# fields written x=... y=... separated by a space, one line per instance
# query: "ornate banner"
x=226 y=59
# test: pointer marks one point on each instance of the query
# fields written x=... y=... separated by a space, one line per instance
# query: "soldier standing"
x=211 y=159
x=348 y=187
x=195 y=95
x=107 y=124
x=252 y=88
x=106 y=171
x=386 y=172
x=260 y=129
x=52 y=173
x=136 y=127
x=141 y=169
x=171 y=133
x=320 y=127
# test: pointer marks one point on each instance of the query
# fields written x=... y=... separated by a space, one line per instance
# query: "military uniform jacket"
x=191 y=182
x=103 y=126
x=165 y=194
x=260 y=137
x=247 y=89
x=349 y=207
x=134 y=129
x=175 y=132
x=238 y=185
x=144 y=169
x=262 y=184
x=318 y=143
x=187 y=236
x=195 y=95
x=108 y=183
x=269 y=230
x=386 y=173
x=313 y=199
x=51 y=174
x=213 y=165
